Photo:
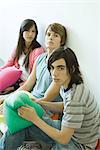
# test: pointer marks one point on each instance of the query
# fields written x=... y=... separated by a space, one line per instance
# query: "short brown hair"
x=59 y=29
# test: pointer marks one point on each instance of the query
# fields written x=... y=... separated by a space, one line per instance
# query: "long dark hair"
x=26 y=25
x=71 y=63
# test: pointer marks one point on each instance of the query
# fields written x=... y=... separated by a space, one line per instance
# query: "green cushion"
x=11 y=104
x=2 y=120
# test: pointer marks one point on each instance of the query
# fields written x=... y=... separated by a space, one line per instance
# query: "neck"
x=48 y=53
x=65 y=85
x=27 y=44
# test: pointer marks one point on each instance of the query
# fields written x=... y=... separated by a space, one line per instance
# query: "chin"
x=56 y=81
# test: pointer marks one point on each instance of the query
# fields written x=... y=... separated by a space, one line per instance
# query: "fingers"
x=27 y=106
x=18 y=113
x=37 y=100
x=24 y=108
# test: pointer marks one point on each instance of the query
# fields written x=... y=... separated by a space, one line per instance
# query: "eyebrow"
x=59 y=66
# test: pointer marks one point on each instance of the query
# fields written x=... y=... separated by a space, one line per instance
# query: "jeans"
x=13 y=141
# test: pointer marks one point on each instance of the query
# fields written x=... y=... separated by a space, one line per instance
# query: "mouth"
x=55 y=80
x=30 y=38
x=50 y=42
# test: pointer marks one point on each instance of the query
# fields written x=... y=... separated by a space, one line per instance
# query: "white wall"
x=81 y=18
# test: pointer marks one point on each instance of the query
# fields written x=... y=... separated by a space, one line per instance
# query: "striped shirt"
x=81 y=113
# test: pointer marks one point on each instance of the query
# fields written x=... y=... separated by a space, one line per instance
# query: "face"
x=60 y=73
x=52 y=40
x=29 y=35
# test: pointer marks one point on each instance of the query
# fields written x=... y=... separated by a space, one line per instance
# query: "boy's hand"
x=28 y=113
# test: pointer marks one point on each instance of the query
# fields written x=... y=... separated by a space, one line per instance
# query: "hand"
x=37 y=100
x=28 y=113
x=42 y=103
x=7 y=90
x=1 y=100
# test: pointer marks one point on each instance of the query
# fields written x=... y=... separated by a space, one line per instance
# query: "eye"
x=56 y=35
x=51 y=68
x=33 y=31
x=26 y=30
x=48 y=34
x=61 y=68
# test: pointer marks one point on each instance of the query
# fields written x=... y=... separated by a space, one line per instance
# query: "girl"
x=26 y=52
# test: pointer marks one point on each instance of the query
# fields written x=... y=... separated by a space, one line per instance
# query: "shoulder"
x=81 y=93
x=81 y=88
x=42 y=57
x=38 y=50
x=78 y=88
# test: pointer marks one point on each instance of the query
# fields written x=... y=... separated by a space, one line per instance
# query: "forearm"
x=24 y=87
x=30 y=82
x=52 y=92
x=50 y=131
x=27 y=86
x=52 y=106
x=61 y=136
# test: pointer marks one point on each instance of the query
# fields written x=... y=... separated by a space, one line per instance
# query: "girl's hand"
x=7 y=90
x=1 y=100
x=28 y=113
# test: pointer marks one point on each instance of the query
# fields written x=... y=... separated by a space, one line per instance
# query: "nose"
x=54 y=73
x=51 y=37
x=30 y=33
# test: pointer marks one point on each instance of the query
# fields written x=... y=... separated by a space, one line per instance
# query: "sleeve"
x=35 y=53
x=74 y=109
x=10 y=61
x=74 y=116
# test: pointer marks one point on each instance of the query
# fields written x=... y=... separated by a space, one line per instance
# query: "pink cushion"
x=8 y=77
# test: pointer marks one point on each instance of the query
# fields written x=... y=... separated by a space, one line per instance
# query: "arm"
x=28 y=85
x=62 y=136
x=34 y=55
x=10 y=61
x=8 y=90
x=52 y=106
x=51 y=92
